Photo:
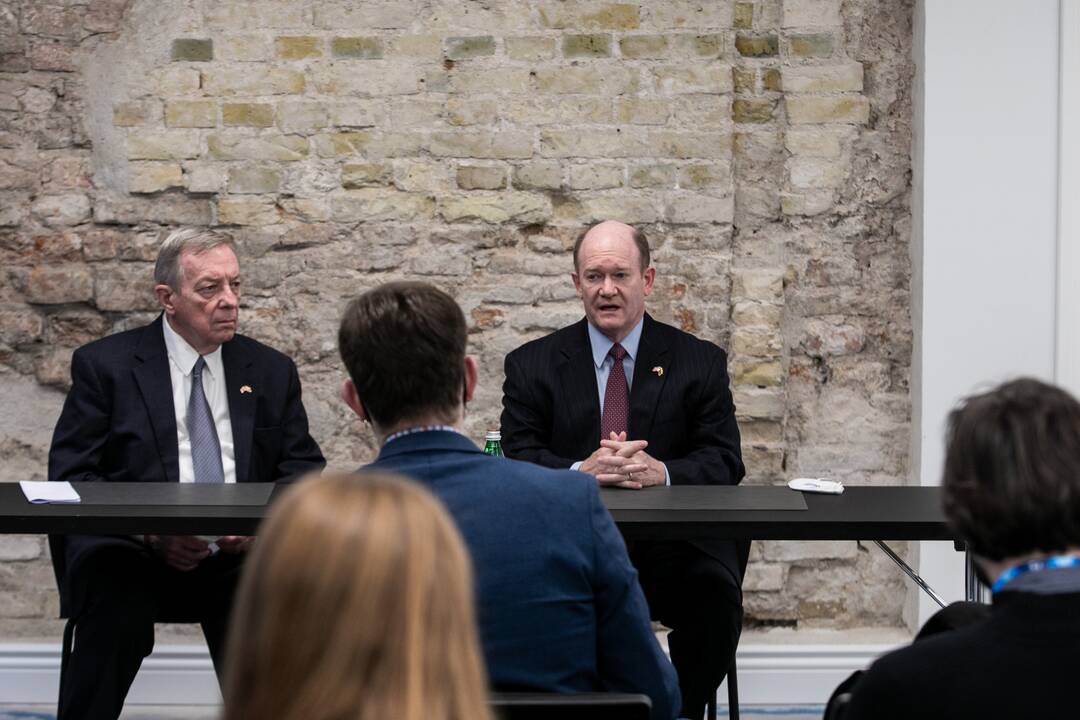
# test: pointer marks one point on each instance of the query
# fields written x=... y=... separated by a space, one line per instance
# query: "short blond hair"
x=356 y=603
x=167 y=270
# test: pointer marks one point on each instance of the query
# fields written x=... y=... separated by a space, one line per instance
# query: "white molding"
x=1067 y=366
x=769 y=674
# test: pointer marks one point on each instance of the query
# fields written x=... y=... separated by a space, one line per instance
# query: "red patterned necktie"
x=616 y=396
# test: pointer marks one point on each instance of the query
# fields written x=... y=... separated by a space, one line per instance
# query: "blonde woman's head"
x=356 y=603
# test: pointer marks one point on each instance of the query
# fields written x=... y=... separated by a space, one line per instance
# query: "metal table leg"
x=910 y=573
x=974 y=590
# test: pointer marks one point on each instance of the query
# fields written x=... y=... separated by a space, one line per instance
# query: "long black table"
x=860 y=513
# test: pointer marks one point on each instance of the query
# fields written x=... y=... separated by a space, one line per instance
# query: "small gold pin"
x=659 y=371
x=245 y=389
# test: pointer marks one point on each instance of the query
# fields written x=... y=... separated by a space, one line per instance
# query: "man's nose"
x=608 y=288
x=229 y=296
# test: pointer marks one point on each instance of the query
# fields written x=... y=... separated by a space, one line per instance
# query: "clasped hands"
x=185 y=552
x=619 y=462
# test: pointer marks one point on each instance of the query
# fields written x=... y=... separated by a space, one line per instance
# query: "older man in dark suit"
x=560 y=609
x=183 y=399
x=637 y=403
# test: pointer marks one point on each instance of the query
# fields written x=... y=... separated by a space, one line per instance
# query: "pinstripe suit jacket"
x=551 y=407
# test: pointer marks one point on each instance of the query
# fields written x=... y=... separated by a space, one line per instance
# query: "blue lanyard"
x=1051 y=563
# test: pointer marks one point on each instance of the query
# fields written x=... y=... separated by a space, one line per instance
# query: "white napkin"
x=49 y=492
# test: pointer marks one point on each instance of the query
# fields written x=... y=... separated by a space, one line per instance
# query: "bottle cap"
x=493 y=435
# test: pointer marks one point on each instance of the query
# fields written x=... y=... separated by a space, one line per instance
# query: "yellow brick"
x=251 y=114
x=192 y=114
x=827 y=109
x=298 y=48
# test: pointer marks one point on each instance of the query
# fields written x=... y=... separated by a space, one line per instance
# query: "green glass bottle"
x=493 y=443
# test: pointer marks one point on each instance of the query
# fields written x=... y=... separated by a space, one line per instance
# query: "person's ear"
x=650 y=278
x=164 y=295
x=352 y=398
x=472 y=375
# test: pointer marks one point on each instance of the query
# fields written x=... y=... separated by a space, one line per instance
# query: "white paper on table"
x=49 y=493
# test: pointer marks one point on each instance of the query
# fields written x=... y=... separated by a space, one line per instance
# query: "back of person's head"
x=356 y=603
x=1012 y=470
x=403 y=344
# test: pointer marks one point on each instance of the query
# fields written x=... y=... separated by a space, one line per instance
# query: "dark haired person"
x=637 y=403
x=184 y=399
x=1012 y=491
x=560 y=609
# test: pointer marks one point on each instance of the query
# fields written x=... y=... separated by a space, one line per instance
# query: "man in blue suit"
x=560 y=608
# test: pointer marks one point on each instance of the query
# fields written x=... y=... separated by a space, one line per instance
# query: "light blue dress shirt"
x=603 y=362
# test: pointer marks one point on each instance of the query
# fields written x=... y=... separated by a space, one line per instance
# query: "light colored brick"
x=642 y=111
x=298 y=47
x=803 y=109
x=354 y=113
x=369 y=79
x=509 y=144
x=357 y=48
x=764 y=285
x=382 y=15
x=61 y=209
x=813 y=45
x=757 y=46
x=280 y=148
x=586 y=80
x=357 y=175
x=247 y=114
x=301 y=116
x=698 y=46
x=759 y=403
x=136 y=113
x=757 y=341
x=672 y=14
x=191 y=114
x=761 y=577
x=498 y=80
x=652 y=176
x=810 y=203
x=690 y=144
x=371 y=144
x=630 y=209
x=788 y=551
x=753 y=110
x=643 y=47
x=471 y=111
x=621 y=142
x=374 y=205
x=202 y=177
x=244 y=48
x=234 y=15
x=823 y=78
x=695 y=208
x=595 y=45
x=538 y=175
x=254 y=179
x=169 y=145
x=19 y=548
x=811 y=173
x=252 y=80
x=529 y=48
x=523 y=208
x=59 y=284
x=151 y=177
x=705 y=175
x=812 y=13
x=464 y=48
x=419 y=47
x=593 y=176
x=588 y=15
x=481 y=177
x=766 y=373
x=247 y=211
x=682 y=80
x=556 y=110
x=813 y=142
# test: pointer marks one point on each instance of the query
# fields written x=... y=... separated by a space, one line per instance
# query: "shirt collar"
x=419 y=429
x=184 y=357
x=601 y=343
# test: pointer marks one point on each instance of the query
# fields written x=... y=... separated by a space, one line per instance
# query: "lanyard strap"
x=1053 y=562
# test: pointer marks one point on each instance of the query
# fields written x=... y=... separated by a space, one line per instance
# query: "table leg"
x=910 y=573
x=974 y=590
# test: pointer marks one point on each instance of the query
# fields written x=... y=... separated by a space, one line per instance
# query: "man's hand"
x=181 y=552
x=235 y=544
x=619 y=462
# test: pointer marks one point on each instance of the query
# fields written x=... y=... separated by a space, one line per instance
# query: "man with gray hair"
x=184 y=399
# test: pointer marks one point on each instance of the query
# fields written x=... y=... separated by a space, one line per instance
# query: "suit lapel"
x=645 y=393
x=154 y=381
x=241 y=404
x=577 y=375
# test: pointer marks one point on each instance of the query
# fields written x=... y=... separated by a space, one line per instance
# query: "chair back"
x=577 y=706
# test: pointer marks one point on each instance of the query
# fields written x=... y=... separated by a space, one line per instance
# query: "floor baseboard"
x=769 y=674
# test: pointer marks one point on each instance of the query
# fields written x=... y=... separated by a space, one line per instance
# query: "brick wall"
x=764 y=146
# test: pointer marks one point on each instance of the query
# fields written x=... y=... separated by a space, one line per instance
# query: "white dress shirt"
x=603 y=362
x=182 y=359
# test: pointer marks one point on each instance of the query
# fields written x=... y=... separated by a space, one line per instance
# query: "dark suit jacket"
x=551 y=408
x=560 y=608
x=1019 y=663
x=118 y=423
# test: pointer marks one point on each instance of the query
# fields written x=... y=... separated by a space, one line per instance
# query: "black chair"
x=59 y=563
x=578 y=706
x=742 y=550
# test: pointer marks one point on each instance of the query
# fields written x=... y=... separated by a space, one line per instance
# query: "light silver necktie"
x=205 y=448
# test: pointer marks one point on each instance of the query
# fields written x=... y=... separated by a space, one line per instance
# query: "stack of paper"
x=49 y=492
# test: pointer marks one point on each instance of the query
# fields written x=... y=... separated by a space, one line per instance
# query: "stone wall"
x=763 y=145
